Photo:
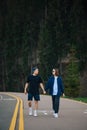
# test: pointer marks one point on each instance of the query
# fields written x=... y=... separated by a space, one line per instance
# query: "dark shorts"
x=31 y=96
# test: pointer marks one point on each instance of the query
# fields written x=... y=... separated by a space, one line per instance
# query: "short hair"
x=34 y=68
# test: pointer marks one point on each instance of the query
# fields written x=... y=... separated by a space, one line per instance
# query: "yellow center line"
x=14 y=118
x=21 y=118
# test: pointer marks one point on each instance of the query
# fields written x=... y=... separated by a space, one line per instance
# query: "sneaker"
x=56 y=115
x=30 y=111
x=35 y=112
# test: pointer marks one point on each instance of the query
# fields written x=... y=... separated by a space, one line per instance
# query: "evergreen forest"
x=47 y=34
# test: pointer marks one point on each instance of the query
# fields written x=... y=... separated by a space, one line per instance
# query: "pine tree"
x=72 y=75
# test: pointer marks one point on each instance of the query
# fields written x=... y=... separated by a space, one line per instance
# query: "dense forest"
x=47 y=34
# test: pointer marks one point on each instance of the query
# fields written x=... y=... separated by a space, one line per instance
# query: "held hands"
x=44 y=92
x=63 y=95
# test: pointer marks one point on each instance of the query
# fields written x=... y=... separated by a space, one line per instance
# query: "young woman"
x=56 y=89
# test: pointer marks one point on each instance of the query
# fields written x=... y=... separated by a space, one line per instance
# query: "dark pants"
x=55 y=103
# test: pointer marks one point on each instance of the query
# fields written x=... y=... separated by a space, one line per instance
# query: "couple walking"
x=54 y=85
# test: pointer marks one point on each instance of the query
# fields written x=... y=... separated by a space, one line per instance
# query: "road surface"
x=7 y=105
x=72 y=115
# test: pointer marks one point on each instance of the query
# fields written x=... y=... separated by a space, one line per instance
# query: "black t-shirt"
x=34 y=83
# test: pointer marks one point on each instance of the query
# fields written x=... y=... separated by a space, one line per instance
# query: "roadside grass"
x=81 y=99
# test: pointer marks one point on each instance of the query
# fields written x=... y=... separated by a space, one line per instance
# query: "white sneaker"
x=35 y=112
x=30 y=111
x=56 y=115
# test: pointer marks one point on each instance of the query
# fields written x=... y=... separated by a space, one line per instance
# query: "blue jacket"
x=50 y=83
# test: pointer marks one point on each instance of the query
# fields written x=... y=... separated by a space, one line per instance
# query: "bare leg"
x=30 y=103
x=35 y=107
x=30 y=107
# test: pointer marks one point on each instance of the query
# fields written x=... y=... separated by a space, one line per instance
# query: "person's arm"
x=62 y=88
x=25 y=89
x=42 y=86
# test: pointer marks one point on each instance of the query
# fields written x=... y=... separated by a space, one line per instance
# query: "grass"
x=81 y=99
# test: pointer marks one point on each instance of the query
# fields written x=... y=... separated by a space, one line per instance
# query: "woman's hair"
x=56 y=71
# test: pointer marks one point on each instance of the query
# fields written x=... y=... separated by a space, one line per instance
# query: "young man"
x=33 y=82
x=55 y=85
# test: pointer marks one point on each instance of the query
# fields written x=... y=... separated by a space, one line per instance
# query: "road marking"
x=45 y=112
x=7 y=99
x=14 y=118
x=85 y=112
x=1 y=98
x=21 y=117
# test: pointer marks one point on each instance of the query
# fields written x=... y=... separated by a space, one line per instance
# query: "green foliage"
x=52 y=39
x=44 y=52
x=72 y=76
x=81 y=99
x=29 y=26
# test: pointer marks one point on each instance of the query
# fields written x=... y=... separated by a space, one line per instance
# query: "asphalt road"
x=7 y=105
x=72 y=115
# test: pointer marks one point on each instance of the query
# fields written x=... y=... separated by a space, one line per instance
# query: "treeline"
x=41 y=33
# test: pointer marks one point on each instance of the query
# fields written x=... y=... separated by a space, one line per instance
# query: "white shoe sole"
x=55 y=115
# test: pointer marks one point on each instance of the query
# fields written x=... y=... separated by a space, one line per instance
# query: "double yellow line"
x=19 y=106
